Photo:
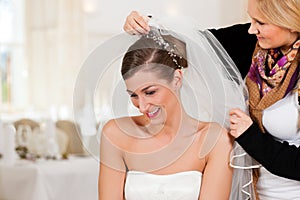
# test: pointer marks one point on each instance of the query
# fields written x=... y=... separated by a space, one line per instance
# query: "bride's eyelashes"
x=147 y=93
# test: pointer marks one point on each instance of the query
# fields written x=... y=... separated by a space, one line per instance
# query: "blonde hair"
x=283 y=13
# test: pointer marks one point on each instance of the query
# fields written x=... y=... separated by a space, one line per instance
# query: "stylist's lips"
x=153 y=113
x=259 y=38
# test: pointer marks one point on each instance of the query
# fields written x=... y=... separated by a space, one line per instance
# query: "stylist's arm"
x=279 y=158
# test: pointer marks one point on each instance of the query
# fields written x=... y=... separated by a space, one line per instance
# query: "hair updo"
x=149 y=54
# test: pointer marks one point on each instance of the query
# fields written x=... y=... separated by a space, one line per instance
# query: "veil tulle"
x=212 y=85
x=217 y=86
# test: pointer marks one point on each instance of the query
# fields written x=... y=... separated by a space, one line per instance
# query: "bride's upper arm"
x=112 y=167
x=217 y=175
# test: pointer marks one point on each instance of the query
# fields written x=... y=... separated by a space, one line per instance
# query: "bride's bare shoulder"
x=120 y=127
x=115 y=125
x=211 y=128
x=221 y=135
x=213 y=135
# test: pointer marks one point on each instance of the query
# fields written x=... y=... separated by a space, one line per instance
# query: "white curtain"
x=55 y=50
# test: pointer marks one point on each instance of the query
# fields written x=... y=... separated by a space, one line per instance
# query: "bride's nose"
x=143 y=105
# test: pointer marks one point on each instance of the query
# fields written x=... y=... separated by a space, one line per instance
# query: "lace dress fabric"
x=178 y=186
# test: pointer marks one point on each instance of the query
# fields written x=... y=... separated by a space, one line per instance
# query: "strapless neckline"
x=174 y=186
x=165 y=175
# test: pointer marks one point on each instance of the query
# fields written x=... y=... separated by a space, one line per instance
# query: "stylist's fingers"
x=131 y=30
x=236 y=116
x=233 y=118
x=144 y=23
x=234 y=133
x=239 y=122
x=136 y=23
x=237 y=112
x=233 y=126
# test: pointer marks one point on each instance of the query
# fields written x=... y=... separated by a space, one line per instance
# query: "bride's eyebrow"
x=144 y=89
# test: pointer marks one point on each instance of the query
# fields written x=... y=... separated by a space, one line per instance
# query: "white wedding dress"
x=178 y=186
x=281 y=120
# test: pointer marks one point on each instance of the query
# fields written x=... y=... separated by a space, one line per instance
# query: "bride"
x=182 y=83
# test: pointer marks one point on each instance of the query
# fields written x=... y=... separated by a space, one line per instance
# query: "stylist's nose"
x=253 y=28
x=143 y=105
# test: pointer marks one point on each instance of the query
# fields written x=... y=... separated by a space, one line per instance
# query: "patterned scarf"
x=272 y=75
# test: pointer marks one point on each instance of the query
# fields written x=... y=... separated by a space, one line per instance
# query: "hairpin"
x=156 y=37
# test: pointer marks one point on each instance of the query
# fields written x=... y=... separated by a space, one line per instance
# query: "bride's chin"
x=159 y=118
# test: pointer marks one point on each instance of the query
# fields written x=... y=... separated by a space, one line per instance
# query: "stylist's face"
x=268 y=34
x=154 y=97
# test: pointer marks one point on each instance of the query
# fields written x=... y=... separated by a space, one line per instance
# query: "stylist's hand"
x=239 y=122
x=136 y=23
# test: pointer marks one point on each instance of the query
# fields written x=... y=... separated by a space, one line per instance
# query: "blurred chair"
x=62 y=141
x=25 y=121
x=72 y=130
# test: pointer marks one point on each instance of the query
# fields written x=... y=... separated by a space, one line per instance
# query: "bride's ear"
x=177 y=79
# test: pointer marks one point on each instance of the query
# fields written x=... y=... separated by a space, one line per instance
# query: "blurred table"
x=72 y=179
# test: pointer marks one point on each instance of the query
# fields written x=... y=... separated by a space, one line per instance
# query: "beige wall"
x=61 y=33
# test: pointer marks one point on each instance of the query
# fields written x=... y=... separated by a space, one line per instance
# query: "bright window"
x=12 y=46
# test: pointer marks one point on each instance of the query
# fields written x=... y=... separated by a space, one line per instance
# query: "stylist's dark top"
x=238 y=43
x=279 y=158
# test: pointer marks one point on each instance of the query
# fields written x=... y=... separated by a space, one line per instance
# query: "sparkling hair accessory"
x=155 y=35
